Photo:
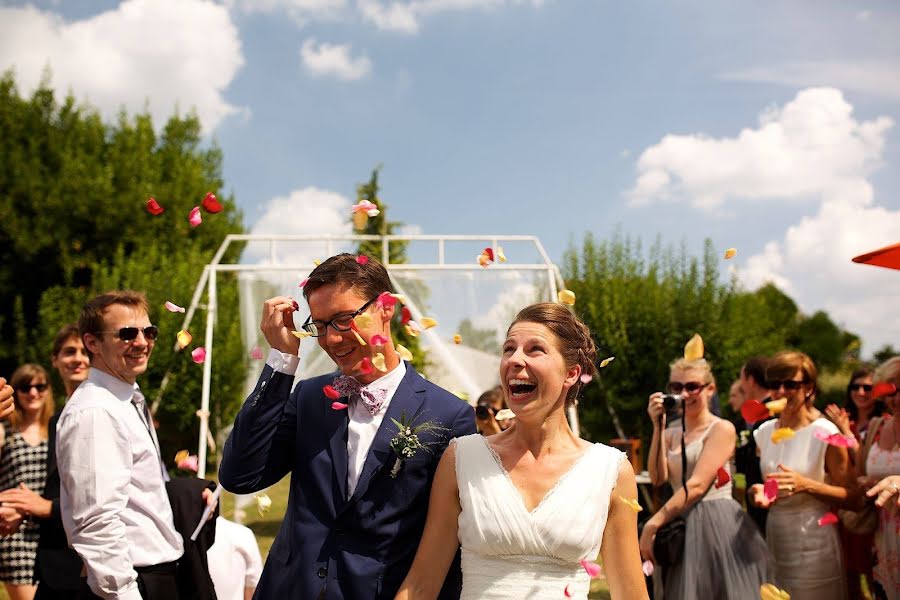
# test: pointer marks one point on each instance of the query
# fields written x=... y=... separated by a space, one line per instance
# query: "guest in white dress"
x=807 y=554
x=528 y=505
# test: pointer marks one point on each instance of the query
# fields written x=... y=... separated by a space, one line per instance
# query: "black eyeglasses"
x=40 y=387
x=691 y=387
x=789 y=385
x=128 y=334
x=338 y=323
x=861 y=387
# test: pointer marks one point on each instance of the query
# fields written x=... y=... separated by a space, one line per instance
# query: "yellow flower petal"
x=767 y=591
x=781 y=434
x=427 y=322
x=500 y=256
x=776 y=406
x=410 y=331
x=730 y=253
x=693 y=350
x=360 y=219
x=317 y=262
x=606 y=361
x=181 y=455
x=404 y=353
x=359 y=339
x=400 y=298
x=566 y=297
x=301 y=334
x=503 y=414
x=184 y=338
x=378 y=362
x=263 y=503
x=632 y=504
x=484 y=260
x=457 y=339
x=363 y=321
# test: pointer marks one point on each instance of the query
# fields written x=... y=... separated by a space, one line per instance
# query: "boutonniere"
x=743 y=438
x=407 y=441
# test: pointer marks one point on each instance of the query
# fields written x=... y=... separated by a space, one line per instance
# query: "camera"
x=484 y=411
x=671 y=401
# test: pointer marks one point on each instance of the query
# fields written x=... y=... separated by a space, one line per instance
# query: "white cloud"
x=405 y=17
x=301 y=11
x=811 y=149
x=153 y=54
x=879 y=78
x=863 y=15
x=334 y=60
x=801 y=151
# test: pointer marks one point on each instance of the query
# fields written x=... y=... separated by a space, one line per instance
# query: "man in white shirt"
x=113 y=499
x=235 y=563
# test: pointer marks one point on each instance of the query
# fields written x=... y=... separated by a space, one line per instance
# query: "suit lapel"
x=406 y=402
x=335 y=422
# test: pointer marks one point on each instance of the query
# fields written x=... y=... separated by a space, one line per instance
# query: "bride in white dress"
x=529 y=504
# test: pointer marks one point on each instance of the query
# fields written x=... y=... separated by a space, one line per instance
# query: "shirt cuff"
x=130 y=593
x=283 y=363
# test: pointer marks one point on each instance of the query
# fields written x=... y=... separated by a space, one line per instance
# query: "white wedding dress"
x=510 y=553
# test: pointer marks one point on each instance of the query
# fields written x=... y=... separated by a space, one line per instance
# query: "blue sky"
x=767 y=126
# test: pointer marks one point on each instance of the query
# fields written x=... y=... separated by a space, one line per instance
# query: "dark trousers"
x=156 y=582
x=45 y=592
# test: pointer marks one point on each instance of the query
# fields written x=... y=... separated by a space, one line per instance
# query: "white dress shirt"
x=363 y=426
x=113 y=500
x=234 y=560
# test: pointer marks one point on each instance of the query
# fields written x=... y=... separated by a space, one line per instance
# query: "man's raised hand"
x=277 y=324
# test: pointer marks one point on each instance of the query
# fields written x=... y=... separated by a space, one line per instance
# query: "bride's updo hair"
x=573 y=338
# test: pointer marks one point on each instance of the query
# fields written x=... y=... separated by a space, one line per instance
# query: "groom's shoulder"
x=435 y=393
x=315 y=384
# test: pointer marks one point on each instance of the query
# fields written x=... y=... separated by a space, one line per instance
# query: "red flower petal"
x=295 y=305
x=362 y=259
x=338 y=406
x=828 y=518
x=567 y=592
x=331 y=393
x=489 y=252
x=753 y=411
x=365 y=366
x=405 y=315
x=883 y=389
x=304 y=282
x=770 y=489
x=211 y=204
x=378 y=340
x=386 y=300
x=722 y=477
x=153 y=207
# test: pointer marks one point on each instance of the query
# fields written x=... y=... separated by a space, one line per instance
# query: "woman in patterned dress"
x=23 y=460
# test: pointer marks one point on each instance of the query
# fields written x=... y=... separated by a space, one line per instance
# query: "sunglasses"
x=128 y=334
x=40 y=387
x=788 y=384
x=861 y=387
x=691 y=387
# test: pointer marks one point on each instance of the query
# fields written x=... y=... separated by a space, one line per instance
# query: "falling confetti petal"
x=183 y=338
x=753 y=411
x=378 y=340
x=256 y=353
x=263 y=503
x=647 y=568
x=338 y=405
x=304 y=282
x=484 y=261
x=194 y=217
x=592 y=568
x=730 y=253
x=330 y=392
x=386 y=300
x=399 y=297
x=211 y=203
x=566 y=591
x=359 y=220
x=566 y=297
x=317 y=262
x=428 y=323
x=153 y=207
x=189 y=463
x=457 y=339
x=489 y=252
x=362 y=259
x=181 y=455
x=413 y=329
x=404 y=353
x=781 y=434
x=722 y=477
x=586 y=378
x=199 y=355
x=768 y=591
x=632 y=504
x=172 y=307
x=606 y=361
x=770 y=489
x=500 y=256
x=359 y=338
x=883 y=389
x=828 y=518
x=503 y=414
x=378 y=362
x=836 y=439
x=775 y=406
x=365 y=366
x=294 y=304
x=405 y=315
x=362 y=321
x=301 y=334
x=693 y=350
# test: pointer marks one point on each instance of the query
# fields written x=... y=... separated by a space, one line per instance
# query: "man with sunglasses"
x=113 y=499
x=356 y=511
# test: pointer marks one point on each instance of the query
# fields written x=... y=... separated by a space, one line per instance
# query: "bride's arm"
x=440 y=539
x=619 y=550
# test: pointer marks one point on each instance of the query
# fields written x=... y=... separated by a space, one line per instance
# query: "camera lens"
x=671 y=401
x=482 y=411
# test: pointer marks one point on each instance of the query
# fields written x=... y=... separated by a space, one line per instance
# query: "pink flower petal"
x=586 y=378
x=304 y=282
x=647 y=568
x=828 y=518
x=365 y=366
x=256 y=353
x=172 y=307
x=189 y=463
x=836 y=439
x=338 y=405
x=386 y=300
x=331 y=393
x=592 y=568
x=362 y=259
x=770 y=489
x=199 y=355
x=153 y=207
x=194 y=217
x=378 y=340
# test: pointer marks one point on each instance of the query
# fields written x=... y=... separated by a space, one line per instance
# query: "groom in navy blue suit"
x=356 y=510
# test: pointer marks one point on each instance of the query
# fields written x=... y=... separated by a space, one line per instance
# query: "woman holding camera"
x=723 y=554
x=795 y=458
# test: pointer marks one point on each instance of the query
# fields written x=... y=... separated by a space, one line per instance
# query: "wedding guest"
x=811 y=477
x=533 y=504
x=746 y=461
x=23 y=461
x=235 y=563
x=488 y=406
x=717 y=531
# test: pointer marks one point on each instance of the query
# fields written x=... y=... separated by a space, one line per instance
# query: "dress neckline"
x=550 y=492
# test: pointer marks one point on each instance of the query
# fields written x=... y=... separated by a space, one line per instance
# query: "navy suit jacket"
x=330 y=546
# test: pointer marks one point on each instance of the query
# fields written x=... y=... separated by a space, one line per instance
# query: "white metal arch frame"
x=208 y=281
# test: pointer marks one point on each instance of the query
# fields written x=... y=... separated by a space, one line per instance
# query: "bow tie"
x=373 y=398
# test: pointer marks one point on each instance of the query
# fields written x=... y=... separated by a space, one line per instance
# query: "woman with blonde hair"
x=796 y=459
x=723 y=555
x=23 y=461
